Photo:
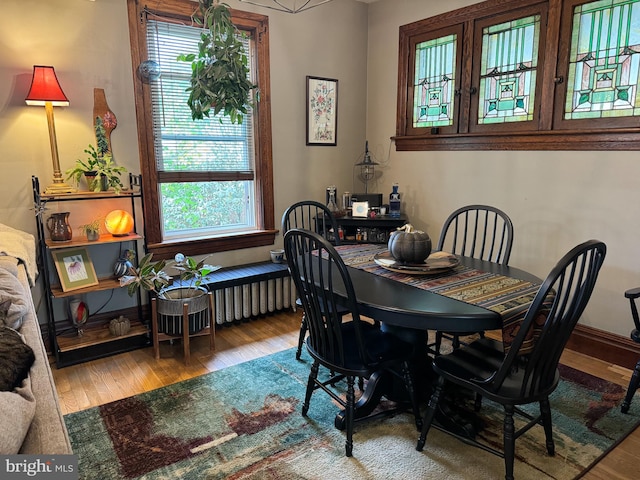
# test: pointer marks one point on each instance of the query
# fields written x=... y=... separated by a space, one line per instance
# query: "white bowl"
x=277 y=255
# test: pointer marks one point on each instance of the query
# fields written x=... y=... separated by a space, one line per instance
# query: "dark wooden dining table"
x=474 y=296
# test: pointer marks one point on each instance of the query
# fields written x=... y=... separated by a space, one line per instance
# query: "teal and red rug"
x=244 y=422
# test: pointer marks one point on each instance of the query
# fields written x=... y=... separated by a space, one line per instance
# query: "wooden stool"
x=159 y=336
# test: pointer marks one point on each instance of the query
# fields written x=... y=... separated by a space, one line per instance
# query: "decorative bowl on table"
x=437 y=262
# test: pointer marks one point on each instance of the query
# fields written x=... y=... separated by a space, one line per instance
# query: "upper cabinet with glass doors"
x=600 y=65
x=523 y=75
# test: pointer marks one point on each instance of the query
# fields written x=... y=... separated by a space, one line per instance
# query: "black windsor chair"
x=478 y=231
x=635 y=336
x=316 y=217
x=528 y=371
x=350 y=349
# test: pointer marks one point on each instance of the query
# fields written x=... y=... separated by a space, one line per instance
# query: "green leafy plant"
x=101 y=136
x=96 y=167
x=92 y=227
x=153 y=277
x=219 y=78
x=108 y=169
x=82 y=166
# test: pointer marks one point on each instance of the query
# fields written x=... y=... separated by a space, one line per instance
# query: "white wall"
x=556 y=199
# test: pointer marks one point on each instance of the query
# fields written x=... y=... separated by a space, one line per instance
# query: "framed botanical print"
x=75 y=269
x=322 y=111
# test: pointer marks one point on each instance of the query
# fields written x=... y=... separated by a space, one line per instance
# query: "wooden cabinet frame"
x=547 y=132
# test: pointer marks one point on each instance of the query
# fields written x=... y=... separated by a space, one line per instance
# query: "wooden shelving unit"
x=104 y=238
x=96 y=340
x=96 y=335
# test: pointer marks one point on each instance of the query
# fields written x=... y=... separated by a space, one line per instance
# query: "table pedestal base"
x=449 y=417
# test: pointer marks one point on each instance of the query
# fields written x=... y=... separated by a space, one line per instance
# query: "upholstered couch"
x=30 y=416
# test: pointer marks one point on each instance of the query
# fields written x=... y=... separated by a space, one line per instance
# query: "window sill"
x=203 y=246
x=621 y=139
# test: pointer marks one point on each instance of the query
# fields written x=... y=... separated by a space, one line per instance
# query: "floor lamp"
x=46 y=91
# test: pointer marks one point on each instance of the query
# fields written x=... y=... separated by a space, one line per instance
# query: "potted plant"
x=92 y=229
x=85 y=168
x=219 y=78
x=109 y=175
x=171 y=298
x=99 y=170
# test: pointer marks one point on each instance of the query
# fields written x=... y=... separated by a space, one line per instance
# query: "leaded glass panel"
x=604 y=60
x=508 y=71
x=435 y=78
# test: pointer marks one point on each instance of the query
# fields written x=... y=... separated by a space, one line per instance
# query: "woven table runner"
x=510 y=297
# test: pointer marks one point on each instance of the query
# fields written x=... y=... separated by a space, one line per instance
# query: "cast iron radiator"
x=247 y=291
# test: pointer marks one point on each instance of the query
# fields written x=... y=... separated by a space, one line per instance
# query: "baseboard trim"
x=606 y=346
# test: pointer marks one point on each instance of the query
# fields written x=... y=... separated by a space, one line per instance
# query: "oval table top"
x=403 y=305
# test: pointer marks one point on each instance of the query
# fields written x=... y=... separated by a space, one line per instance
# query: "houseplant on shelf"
x=219 y=71
x=170 y=299
x=92 y=229
x=99 y=170
x=85 y=168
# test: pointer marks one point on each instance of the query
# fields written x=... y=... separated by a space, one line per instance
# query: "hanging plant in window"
x=219 y=71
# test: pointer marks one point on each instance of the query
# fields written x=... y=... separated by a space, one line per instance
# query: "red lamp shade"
x=46 y=88
x=119 y=223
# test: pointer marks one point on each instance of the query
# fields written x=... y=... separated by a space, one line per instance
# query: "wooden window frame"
x=258 y=26
x=425 y=37
x=548 y=134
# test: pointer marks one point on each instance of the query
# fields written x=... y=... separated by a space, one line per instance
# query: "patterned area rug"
x=244 y=422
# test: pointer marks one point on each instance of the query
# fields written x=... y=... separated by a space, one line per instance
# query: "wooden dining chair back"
x=316 y=217
x=632 y=295
x=477 y=231
x=525 y=370
x=349 y=348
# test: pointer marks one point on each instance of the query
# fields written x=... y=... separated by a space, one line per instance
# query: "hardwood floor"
x=101 y=381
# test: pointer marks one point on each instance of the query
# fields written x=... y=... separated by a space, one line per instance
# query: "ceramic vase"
x=59 y=228
x=78 y=313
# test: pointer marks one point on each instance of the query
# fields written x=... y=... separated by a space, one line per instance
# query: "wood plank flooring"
x=101 y=381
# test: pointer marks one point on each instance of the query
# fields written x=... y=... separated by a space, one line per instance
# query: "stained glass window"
x=508 y=71
x=434 y=89
x=604 y=60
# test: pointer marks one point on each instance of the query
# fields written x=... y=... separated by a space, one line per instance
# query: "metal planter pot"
x=170 y=310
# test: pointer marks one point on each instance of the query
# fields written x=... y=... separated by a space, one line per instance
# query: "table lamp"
x=119 y=223
x=46 y=91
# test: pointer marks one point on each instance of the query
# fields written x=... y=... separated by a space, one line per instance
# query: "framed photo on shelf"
x=360 y=209
x=322 y=111
x=75 y=269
